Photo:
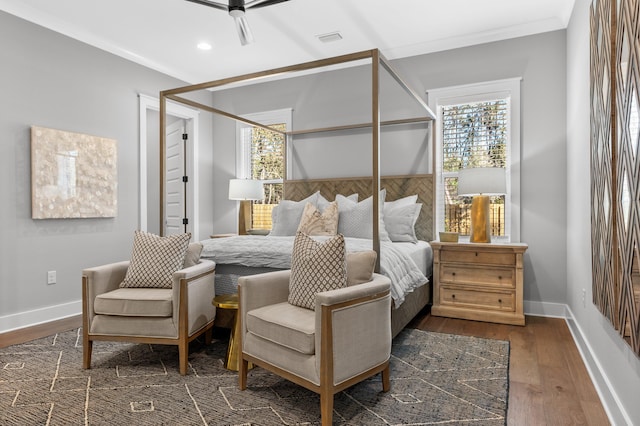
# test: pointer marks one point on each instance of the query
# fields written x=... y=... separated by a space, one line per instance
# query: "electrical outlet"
x=584 y=298
x=51 y=277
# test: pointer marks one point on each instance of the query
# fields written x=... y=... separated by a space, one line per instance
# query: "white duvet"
x=275 y=252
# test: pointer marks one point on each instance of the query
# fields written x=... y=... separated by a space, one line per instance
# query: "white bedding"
x=398 y=261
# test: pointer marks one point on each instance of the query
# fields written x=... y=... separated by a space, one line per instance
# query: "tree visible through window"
x=267 y=165
x=473 y=135
x=261 y=156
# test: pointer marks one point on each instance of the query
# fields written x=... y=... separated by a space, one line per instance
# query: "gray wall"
x=49 y=80
x=342 y=97
x=620 y=367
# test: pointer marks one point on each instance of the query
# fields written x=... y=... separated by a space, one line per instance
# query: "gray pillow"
x=323 y=203
x=285 y=217
x=401 y=202
x=400 y=222
x=194 y=250
x=355 y=220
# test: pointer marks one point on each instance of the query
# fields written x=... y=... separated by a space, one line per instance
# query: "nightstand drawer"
x=498 y=277
x=502 y=301
x=484 y=257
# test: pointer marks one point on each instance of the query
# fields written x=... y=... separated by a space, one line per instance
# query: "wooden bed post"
x=163 y=144
x=375 y=149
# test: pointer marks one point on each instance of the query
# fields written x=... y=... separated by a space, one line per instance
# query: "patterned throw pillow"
x=154 y=259
x=316 y=267
x=315 y=223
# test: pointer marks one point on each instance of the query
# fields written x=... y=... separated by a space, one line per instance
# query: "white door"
x=174 y=186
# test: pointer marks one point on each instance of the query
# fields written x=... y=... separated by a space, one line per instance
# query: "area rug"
x=435 y=379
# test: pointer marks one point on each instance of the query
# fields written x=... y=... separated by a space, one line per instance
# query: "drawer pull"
x=453 y=296
x=453 y=273
x=499 y=277
x=499 y=300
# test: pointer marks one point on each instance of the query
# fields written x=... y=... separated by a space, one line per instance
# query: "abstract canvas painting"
x=73 y=175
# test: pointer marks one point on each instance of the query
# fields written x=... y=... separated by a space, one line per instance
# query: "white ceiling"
x=163 y=34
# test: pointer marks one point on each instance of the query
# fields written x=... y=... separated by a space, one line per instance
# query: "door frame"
x=191 y=116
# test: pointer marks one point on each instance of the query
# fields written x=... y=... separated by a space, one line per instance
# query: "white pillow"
x=355 y=220
x=285 y=217
x=323 y=203
x=401 y=202
x=400 y=222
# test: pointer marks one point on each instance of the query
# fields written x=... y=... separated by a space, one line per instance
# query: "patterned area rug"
x=435 y=379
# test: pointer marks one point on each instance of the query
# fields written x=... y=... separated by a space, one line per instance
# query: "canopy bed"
x=407 y=261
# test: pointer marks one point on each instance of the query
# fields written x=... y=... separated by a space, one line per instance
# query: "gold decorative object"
x=481 y=182
x=230 y=301
x=449 y=237
x=73 y=175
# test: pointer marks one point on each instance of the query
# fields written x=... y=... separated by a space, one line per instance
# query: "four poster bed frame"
x=396 y=186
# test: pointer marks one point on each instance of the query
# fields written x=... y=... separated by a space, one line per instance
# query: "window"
x=477 y=126
x=260 y=155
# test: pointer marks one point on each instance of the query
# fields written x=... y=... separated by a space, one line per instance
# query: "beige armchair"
x=171 y=316
x=344 y=341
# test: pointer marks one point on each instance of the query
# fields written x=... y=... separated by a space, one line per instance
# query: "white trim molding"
x=478 y=92
x=39 y=316
x=193 y=126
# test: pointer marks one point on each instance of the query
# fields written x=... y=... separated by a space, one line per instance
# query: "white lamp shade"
x=485 y=181
x=245 y=189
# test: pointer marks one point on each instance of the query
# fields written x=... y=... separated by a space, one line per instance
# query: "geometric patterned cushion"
x=316 y=267
x=154 y=259
x=315 y=223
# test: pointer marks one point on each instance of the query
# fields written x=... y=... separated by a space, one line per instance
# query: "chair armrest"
x=354 y=324
x=378 y=284
x=99 y=280
x=200 y=290
x=260 y=290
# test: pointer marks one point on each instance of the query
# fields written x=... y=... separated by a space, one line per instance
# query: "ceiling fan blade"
x=244 y=32
x=261 y=3
x=213 y=4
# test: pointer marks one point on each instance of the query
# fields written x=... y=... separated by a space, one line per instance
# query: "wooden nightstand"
x=222 y=235
x=482 y=282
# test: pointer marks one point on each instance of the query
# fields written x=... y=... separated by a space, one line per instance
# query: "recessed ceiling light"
x=203 y=45
x=329 y=37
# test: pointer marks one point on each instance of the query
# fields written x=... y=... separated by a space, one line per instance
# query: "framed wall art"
x=73 y=175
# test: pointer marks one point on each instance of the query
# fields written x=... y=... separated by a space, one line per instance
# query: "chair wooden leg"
x=183 y=356
x=242 y=373
x=326 y=407
x=386 y=379
x=87 y=347
x=208 y=335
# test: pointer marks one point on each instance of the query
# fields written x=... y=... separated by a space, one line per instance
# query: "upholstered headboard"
x=396 y=186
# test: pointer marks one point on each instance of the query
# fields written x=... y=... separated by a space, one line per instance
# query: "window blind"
x=474 y=135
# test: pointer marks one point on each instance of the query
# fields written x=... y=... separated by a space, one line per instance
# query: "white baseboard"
x=545 y=309
x=39 y=316
x=610 y=401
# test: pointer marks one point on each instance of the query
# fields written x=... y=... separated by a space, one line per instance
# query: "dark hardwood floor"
x=549 y=384
x=548 y=381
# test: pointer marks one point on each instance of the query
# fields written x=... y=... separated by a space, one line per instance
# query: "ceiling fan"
x=236 y=8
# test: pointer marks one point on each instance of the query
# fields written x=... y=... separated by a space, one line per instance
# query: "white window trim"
x=504 y=89
x=243 y=164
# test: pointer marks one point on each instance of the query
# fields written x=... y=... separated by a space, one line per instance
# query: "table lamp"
x=245 y=190
x=481 y=183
